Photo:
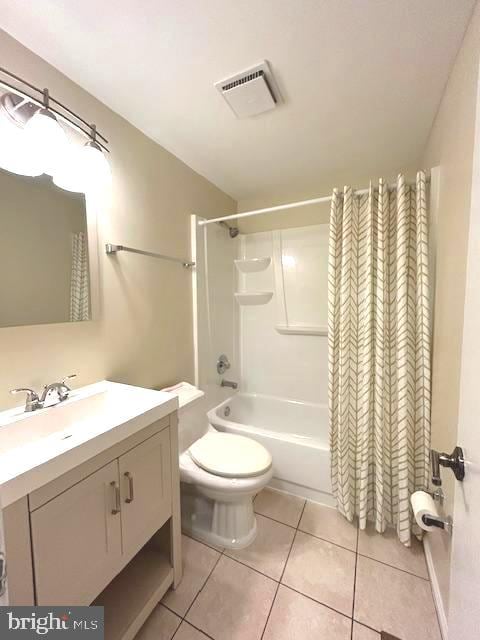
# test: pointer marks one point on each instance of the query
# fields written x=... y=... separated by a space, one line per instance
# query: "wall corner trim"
x=437 y=597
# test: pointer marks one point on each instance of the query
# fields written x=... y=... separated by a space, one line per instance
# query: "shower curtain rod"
x=283 y=207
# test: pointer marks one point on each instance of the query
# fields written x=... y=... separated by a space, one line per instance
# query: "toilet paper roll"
x=423 y=504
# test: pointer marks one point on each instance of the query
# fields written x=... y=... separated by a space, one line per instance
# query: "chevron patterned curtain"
x=79 y=286
x=379 y=352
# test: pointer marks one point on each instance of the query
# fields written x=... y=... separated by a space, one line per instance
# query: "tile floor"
x=309 y=575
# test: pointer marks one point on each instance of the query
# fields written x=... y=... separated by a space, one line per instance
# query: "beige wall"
x=37 y=222
x=450 y=147
x=144 y=332
x=299 y=217
x=308 y=215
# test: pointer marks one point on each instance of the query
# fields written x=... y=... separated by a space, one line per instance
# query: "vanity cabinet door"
x=76 y=540
x=145 y=480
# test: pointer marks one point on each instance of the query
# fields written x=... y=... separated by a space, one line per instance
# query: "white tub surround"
x=261 y=299
x=291 y=328
x=252 y=265
x=249 y=298
x=295 y=434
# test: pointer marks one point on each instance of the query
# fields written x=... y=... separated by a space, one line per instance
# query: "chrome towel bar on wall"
x=111 y=249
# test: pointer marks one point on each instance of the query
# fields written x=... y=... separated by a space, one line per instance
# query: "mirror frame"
x=92 y=210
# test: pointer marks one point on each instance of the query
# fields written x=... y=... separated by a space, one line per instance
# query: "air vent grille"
x=251 y=92
x=249 y=78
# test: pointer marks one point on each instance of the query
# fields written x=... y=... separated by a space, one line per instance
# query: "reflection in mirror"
x=44 y=275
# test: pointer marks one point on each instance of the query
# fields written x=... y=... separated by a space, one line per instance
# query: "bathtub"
x=295 y=433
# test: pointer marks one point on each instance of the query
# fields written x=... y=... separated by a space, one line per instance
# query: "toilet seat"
x=230 y=456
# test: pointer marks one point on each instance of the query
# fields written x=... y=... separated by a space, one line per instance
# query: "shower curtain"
x=379 y=352
x=79 y=287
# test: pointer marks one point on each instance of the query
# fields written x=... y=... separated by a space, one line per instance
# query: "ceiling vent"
x=251 y=92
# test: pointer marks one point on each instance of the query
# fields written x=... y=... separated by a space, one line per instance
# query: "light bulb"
x=70 y=174
x=15 y=154
x=47 y=140
x=96 y=169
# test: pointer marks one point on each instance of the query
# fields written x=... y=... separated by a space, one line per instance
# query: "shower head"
x=232 y=231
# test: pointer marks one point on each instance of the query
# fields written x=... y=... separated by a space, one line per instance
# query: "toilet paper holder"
x=437 y=521
x=437 y=495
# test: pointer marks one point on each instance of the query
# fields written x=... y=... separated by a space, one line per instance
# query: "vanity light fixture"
x=68 y=174
x=85 y=167
x=33 y=131
x=46 y=137
x=15 y=153
x=95 y=165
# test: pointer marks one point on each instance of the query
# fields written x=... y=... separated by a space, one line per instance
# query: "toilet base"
x=228 y=523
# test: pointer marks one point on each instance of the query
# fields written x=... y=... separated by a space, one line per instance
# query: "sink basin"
x=38 y=446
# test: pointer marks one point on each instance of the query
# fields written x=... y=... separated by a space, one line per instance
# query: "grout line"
x=326 y=540
x=198 y=629
x=257 y=513
x=280 y=580
x=301 y=513
x=392 y=566
x=288 y=557
x=244 y=564
x=171 y=610
x=205 y=544
x=270 y=611
x=176 y=630
x=367 y=626
x=323 y=604
x=203 y=586
x=183 y=618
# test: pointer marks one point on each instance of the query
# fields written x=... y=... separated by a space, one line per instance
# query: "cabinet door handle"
x=3 y=573
x=116 y=497
x=129 y=477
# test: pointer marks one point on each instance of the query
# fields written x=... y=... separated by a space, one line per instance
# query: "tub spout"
x=229 y=383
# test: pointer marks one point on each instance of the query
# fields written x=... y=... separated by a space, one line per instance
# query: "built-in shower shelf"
x=251 y=265
x=254 y=297
x=302 y=330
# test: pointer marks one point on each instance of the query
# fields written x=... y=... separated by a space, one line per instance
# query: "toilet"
x=220 y=475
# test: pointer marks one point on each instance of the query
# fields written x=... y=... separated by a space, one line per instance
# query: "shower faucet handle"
x=223 y=364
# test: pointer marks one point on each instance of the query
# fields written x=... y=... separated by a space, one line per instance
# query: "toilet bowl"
x=220 y=475
x=218 y=509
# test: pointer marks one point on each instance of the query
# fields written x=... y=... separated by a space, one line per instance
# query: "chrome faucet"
x=229 y=383
x=60 y=388
x=34 y=402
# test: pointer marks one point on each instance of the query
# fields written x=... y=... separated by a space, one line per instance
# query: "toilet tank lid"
x=185 y=392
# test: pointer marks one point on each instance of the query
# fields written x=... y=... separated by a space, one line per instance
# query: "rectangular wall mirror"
x=44 y=253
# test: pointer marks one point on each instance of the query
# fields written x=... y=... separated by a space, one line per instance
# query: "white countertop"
x=37 y=447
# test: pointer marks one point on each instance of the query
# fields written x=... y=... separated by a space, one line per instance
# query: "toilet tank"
x=192 y=413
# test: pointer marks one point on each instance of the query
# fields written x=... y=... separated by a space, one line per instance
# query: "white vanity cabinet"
x=105 y=532
x=77 y=540
x=145 y=491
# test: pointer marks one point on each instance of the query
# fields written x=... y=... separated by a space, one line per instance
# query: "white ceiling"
x=361 y=79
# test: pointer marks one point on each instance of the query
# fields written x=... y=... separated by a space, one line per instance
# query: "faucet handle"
x=32 y=402
x=31 y=392
x=70 y=377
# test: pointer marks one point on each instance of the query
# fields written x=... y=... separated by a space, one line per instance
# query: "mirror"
x=44 y=265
